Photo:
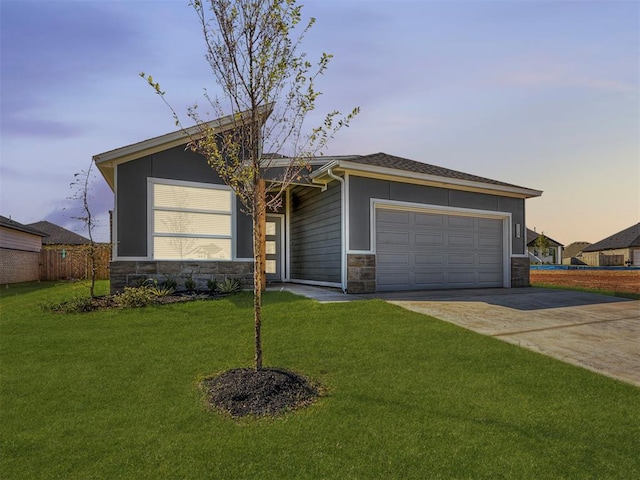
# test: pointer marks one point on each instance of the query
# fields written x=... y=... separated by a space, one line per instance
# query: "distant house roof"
x=13 y=225
x=58 y=235
x=573 y=249
x=629 y=237
x=532 y=236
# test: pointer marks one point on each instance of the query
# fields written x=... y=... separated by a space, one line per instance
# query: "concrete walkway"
x=596 y=332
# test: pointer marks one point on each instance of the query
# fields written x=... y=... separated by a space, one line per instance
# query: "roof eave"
x=107 y=161
x=432 y=180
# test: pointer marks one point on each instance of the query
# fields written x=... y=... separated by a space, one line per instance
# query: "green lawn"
x=111 y=395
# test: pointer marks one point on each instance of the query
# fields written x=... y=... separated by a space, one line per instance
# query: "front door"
x=273 y=265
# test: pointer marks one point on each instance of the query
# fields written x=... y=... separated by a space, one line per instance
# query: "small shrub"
x=212 y=285
x=158 y=290
x=190 y=283
x=75 y=305
x=170 y=282
x=228 y=286
x=135 y=297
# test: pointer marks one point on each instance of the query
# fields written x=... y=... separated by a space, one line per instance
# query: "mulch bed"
x=270 y=391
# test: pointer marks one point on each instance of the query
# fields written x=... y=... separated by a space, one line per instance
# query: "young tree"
x=82 y=194
x=542 y=246
x=268 y=88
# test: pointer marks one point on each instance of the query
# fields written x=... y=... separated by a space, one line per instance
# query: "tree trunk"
x=259 y=277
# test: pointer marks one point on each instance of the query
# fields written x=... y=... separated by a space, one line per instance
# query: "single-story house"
x=65 y=254
x=622 y=248
x=362 y=223
x=57 y=235
x=20 y=247
x=572 y=253
x=553 y=253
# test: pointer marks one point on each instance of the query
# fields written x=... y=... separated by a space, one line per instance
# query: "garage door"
x=419 y=250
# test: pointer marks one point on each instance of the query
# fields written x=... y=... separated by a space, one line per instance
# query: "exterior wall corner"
x=520 y=269
x=361 y=273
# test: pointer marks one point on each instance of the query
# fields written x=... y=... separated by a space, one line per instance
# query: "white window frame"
x=151 y=235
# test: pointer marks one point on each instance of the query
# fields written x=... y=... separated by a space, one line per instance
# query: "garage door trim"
x=447 y=210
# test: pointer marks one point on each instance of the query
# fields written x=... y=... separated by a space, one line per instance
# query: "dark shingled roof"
x=390 y=161
x=574 y=248
x=12 y=224
x=533 y=235
x=629 y=237
x=58 y=235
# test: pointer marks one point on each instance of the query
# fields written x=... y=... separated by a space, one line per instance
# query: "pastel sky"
x=540 y=94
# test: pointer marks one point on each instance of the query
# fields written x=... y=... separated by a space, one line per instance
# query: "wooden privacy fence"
x=65 y=262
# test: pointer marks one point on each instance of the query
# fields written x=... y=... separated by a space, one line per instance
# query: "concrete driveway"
x=596 y=332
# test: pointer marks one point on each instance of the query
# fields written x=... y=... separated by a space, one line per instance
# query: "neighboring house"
x=65 y=254
x=57 y=235
x=553 y=253
x=20 y=247
x=622 y=248
x=360 y=223
x=572 y=253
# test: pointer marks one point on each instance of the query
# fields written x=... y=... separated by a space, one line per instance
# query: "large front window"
x=191 y=222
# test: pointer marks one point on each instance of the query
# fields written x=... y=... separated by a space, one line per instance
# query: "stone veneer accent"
x=361 y=273
x=520 y=272
x=132 y=273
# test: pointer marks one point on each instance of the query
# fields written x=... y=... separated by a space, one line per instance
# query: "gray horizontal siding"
x=315 y=226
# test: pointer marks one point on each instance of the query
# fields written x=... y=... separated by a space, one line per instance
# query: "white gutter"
x=343 y=229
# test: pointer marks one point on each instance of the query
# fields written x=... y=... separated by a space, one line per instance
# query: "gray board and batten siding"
x=362 y=190
x=315 y=233
x=175 y=163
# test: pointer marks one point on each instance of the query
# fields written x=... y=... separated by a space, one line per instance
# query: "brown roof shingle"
x=381 y=159
x=629 y=237
x=58 y=235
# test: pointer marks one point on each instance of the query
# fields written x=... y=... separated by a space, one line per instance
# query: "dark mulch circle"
x=270 y=391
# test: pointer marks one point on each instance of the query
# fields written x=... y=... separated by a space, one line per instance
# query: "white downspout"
x=343 y=229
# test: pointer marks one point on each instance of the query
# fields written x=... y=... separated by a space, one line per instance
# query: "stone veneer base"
x=361 y=273
x=520 y=272
x=133 y=273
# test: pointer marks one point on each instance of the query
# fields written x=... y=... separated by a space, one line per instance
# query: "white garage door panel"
x=417 y=250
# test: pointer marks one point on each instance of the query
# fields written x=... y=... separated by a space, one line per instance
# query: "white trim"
x=343 y=229
x=347 y=213
x=114 y=218
x=151 y=181
x=281 y=216
x=105 y=161
x=313 y=282
x=132 y=259
x=287 y=231
x=438 y=181
x=360 y=252
x=447 y=210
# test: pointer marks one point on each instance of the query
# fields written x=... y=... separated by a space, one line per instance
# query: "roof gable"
x=574 y=248
x=58 y=235
x=629 y=237
x=106 y=161
x=532 y=236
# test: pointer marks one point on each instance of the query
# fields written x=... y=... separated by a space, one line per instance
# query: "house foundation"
x=133 y=273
